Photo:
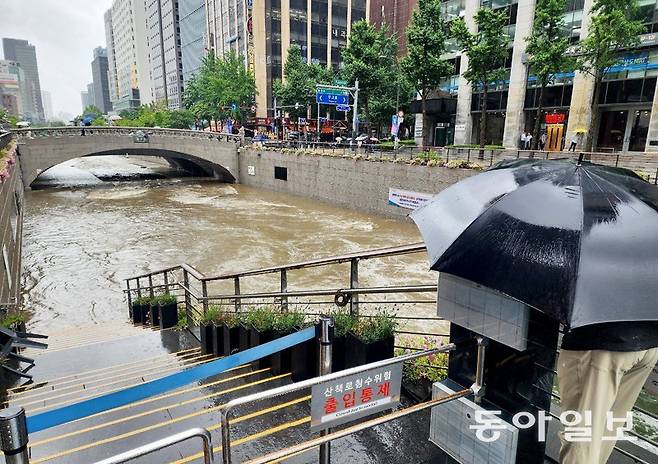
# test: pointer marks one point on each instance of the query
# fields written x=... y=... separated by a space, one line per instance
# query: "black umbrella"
x=576 y=240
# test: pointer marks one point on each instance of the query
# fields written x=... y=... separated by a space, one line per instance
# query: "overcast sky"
x=65 y=33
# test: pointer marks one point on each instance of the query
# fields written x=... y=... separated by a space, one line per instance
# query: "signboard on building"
x=555 y=118
x=354 y=396
x=407 y=199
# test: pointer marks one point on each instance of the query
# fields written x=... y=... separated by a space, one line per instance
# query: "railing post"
x=166 y=281
x=354 y=283
x=226 y=436
x=204 y=290
x=139 y=288
x=130 y=303
x=478 y=386
x=186 y=283
x=13 y=435
x=236 y=284
x=151 y=285
x=325 y=340
x=284 y=288
x=617 y=161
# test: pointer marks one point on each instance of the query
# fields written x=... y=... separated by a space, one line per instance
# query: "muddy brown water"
x=81 y=241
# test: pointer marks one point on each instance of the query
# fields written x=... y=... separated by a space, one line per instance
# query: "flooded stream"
x=81 y=241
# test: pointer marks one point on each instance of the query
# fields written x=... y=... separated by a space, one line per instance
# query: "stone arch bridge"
x=207 y=153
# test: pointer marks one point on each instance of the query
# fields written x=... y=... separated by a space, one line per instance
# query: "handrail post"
x=166 y=281
x=151 y=285
x=325 y=340
x=204 y=290
x=236 y=286
x=186 y=283
x=226 y=436
x=478 y=386
x=284 y=288
x=13 y=435
x=130 y=303
x=354 y=283
x=139 y=289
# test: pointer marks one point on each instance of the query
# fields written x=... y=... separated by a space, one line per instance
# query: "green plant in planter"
x=12 y=320
x=210 y=315
x=228 y=319
x=166 y=299
x=288 y=322
x=381 y=326
x=344 y=323
x=261 y=318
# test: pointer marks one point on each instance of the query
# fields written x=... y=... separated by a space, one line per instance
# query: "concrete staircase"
x=86 y=362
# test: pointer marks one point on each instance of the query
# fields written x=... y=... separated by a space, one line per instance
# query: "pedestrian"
x=522 y=143
x=601 y=371
x=542 y=141
x=82 y=128
x=528 y=140
x=575 y=140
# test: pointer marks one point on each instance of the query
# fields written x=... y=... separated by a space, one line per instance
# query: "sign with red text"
x=554 y=118
x=354 y=396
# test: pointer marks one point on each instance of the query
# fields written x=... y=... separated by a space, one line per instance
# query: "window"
x=280 y=173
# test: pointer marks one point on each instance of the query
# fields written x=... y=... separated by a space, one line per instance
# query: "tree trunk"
x=594 y=111
x=423 y=98
x=483 y=120
x=535 y=130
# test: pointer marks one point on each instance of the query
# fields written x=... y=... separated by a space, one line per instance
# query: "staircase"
x=86 y=362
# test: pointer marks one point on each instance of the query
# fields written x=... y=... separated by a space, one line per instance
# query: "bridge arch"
x=214 y=154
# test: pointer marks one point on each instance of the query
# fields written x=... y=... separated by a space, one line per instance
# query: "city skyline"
x=63 y=47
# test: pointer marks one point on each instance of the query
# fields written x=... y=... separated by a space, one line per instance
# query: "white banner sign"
x=407 y=199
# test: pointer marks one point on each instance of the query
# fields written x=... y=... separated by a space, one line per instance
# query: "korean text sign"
x=355 y=396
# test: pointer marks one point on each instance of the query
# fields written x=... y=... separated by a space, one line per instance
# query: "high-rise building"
x=84 y=99
x=100 y=75
x=47 y=100
x=111 y=63
x=91 y=94
x=165 y=51
x=319 y=27
x=24 y=53
x=192 y=35
x=13 y=87
x=396 y=14
x=128 y=28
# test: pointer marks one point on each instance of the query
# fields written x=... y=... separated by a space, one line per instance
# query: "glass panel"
x=639 y=131
x=612 y=129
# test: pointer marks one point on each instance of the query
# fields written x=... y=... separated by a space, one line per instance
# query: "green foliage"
x=423 y=67
x=300 y=81
x=549 y=41
x=261 y=318
x=92 y=110
x=289 y=321
x=432 y=367
x=344 y=323
x=381 y=326
x=165 y=299
x=210 y=315
x=182 y=320
x=100 y=121
x=219 y=84
x=370 y=58
x=156 y=115
x=131 y=113
x=142 y=301
x=486 y=50
x=12 y=320
x=181 y=119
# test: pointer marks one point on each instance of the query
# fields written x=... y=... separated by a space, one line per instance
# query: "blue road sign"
x=234 y=107
x=345 y=108
x=331 y=98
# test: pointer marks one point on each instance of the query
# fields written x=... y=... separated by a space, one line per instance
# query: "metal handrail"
x=279 y=391
x=301 y=447
x=208 y=456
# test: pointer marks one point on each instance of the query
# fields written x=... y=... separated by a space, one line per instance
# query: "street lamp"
x=397 y=93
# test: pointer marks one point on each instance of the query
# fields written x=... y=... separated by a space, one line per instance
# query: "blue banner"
x=48 y=419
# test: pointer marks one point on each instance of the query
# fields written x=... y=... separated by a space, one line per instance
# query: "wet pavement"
x=87 y=369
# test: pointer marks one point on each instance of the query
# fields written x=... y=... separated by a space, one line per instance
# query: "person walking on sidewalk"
x=575 y=140
x=601 y=371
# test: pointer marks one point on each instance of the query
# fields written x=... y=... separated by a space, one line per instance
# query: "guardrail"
x=71 y=131
x=645 y=163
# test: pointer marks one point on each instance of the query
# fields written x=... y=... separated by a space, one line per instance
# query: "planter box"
x=257 y=337
x=304 y=360
x=207 y=338
x=418 y=391
x=243 y=337
x=231 y=340
x=154 y=315
x=168 y=315
x=338 y=354
x=281 y=361
x=359 y=353
x=137 y=314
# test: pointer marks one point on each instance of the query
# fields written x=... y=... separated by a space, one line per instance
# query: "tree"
x=547 y=49
x=300 y=82
x=426 y=37
x=181 y=119
x=613 y=28
x=220 y=86
x=486 y=50
x=92 y=110
x=370 y=58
